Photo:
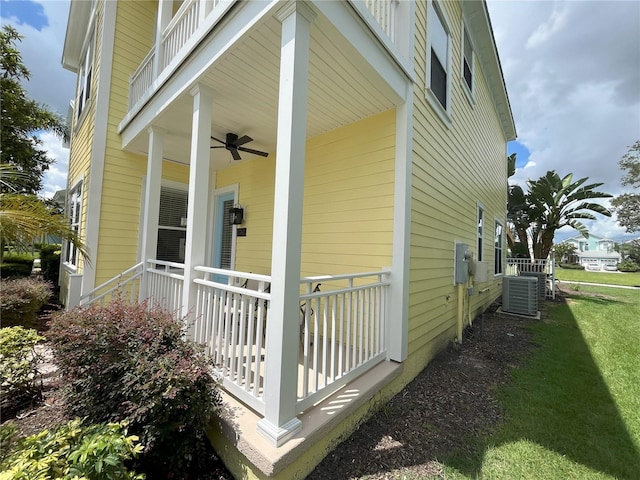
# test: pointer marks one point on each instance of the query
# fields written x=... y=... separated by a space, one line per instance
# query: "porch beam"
x=280 y=422
x=195 y=249
x=151 y=200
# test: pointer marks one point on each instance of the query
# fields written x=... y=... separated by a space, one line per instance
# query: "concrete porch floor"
x=249 y=455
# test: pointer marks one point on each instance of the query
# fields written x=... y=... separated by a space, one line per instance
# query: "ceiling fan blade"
x=216 y=146
x=218 y=140
x=242 y=140
x=254 y=152
x=234 y=153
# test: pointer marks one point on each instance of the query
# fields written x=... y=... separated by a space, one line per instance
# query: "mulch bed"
x=448 y=402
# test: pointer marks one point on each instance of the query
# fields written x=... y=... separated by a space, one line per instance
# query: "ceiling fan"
x=234 y=144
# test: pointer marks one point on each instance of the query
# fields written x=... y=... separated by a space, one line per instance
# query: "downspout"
x=461 y=288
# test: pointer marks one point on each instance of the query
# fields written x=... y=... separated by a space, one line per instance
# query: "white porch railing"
x=127 y=285
x=184 y=23
x=231 y=323
x=343 y=324
x=386 y=13
x=342 y=332
x=516 y=266
x=141 y=80
x=164 y=285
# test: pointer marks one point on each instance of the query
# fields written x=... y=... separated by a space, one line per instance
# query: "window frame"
x=183 y=189
x=498 y=248
x=74 y=214
x=480 y=222
x=84 y=86
x=469 y=90
x=443 y=111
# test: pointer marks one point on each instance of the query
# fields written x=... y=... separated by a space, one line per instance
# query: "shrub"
x=50 y=262
x=15 y=270
x=127 y=362
x=572 y=266
x=18 y=367
x=72 y=451
x=20 y=300
x=19 y=258
x=628 y=266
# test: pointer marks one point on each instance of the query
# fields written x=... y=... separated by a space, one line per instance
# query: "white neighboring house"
x=595 y=253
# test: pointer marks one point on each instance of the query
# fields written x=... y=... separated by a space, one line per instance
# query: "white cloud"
x=50 y=84
x=572 y=71
x=56 y=177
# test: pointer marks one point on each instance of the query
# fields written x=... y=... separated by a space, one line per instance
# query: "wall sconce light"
x=237 y=215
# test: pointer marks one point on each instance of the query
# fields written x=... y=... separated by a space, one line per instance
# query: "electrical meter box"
x=461 y=266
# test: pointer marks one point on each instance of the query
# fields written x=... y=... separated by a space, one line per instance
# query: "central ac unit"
x=542 y=281
x=520 y=295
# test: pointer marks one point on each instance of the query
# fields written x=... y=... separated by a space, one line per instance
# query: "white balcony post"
x=280 y=422
x=195 y=250
x=165 y=12
x=151 y=202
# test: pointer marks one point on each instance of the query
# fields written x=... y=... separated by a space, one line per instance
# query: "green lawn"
x=611 y=278
x=573 y=410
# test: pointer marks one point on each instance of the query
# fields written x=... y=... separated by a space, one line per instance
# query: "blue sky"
x=572 y=70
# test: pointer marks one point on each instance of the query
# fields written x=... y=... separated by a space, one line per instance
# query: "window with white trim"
x=497 y=248
x=172 y=224
x=74 y=212
x=479 y=242
x=467 y=59
x=83 y=94
x=438 y=57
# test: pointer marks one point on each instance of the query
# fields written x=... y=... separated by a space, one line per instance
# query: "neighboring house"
x=595 y=253
x=385 y=124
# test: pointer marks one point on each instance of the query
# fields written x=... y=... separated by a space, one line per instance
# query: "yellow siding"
x=348 y=201
x=453 y=168
x=123 y=171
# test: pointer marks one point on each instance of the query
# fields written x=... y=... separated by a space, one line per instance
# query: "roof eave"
x=477 y=17
x=77 y=25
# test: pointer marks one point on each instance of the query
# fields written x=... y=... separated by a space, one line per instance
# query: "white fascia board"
x=77 y=26
x=477 y=18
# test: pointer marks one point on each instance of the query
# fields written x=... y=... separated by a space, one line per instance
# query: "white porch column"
x=165 y=13
x=151 y=202
x=195 y=249
x=398 y=313
x=283 y=335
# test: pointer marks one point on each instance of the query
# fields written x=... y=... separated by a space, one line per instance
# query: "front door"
x=223 y=235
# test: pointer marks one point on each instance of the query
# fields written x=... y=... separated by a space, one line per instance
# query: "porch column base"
x=279 y=435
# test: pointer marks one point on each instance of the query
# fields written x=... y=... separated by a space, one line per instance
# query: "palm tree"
x=556 y=202
x=25 y=217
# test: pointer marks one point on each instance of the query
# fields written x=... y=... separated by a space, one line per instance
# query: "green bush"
x=50 y=262
x=72 y=451
x=127 y=362
x=21 y=299
x=15 y=270
x=628 y=266
x=572 y=266
x=21 y=258
x=18 y=367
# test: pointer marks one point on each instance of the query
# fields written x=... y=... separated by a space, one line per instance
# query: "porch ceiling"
x=245 y=82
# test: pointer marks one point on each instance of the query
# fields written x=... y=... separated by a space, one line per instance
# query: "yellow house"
x=318 y=188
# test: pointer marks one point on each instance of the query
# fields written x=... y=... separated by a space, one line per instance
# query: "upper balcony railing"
x=180 y=36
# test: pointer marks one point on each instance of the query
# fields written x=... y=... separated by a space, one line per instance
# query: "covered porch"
x=331 y=107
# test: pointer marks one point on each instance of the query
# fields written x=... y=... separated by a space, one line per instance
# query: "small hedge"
x=21 y=299
x=123 y=362
x=628 y=266
x=15 y=270
x=71 y=451
x=50 y=263
x=19 y=382
x=572 y=266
